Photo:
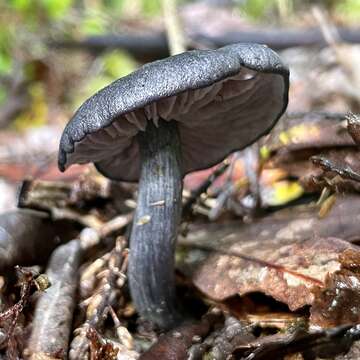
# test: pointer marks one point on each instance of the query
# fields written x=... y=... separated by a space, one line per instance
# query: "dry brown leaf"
x=286 y=259
x=288 y=273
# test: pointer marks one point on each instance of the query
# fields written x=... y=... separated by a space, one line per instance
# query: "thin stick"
x=328 y=30
x=344 y=170
x=174 y=30
x=337 y=44
x=105 y=296
x=52 y=321
x=204 y=186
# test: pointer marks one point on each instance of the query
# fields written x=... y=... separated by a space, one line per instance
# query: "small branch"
x=323 y=343
x=62 y=200
x=105 y=296
x=54 y=310
x=234 y=333
x=329 y=31
x=336 y=43
x=147 y=47
x=174 y=32
x=345 y=171
x=202 y=188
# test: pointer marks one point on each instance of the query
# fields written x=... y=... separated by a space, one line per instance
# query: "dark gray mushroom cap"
x=223 y=100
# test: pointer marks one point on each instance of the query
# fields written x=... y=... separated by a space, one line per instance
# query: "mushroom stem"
x=154 y=232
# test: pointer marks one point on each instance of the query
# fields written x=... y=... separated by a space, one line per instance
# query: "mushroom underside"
x=247 y=103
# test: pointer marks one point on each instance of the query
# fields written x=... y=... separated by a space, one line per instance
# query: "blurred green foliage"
x=118 y=63
x=270 y=10
x=54 y=9
x=76 y=18
x=36 y=114
x=5 y=53
x=27 y=25
x=3 y=95
x=349 y=9
x=62 y=18
x=93 y=23
x=151 y=8
x=257 y=9
x=112 y=66
x=115 y=5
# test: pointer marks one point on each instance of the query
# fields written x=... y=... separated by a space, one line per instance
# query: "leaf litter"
x=270 y=265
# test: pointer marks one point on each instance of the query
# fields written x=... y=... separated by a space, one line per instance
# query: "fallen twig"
x=64 y=201
x=345 y=171
x=221 y=344
x=54 y=310
x=202 y=188
x=174 y=32
x=105 y=297
x=324 y=344
x=151 y=47
x=53 y=195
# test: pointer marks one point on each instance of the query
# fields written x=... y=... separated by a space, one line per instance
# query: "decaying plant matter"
x=302 y=256
x=29 y=281
x=257 y=257
x=106 y=294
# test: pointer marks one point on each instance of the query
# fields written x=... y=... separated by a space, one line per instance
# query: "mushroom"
x=170 y=117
